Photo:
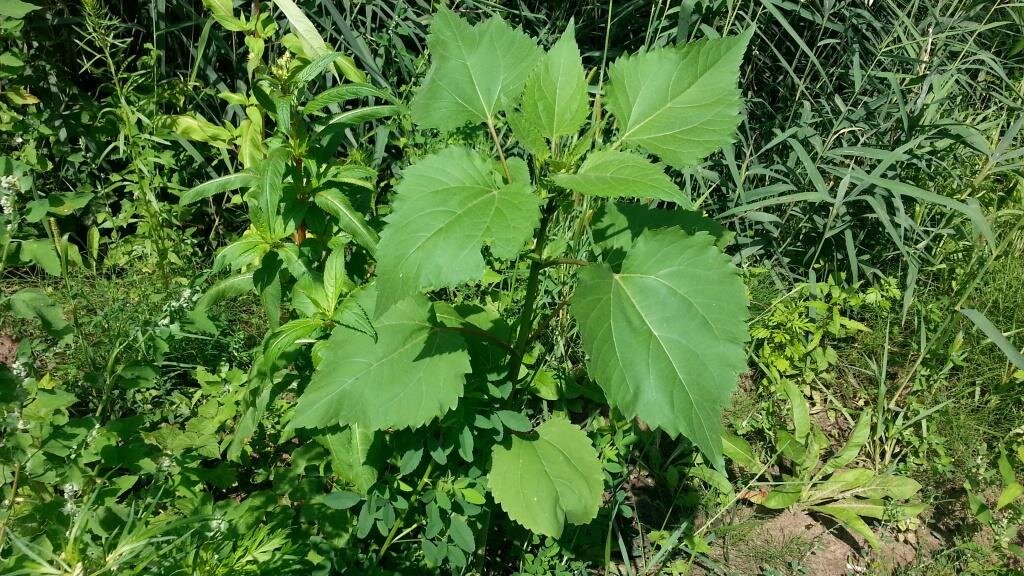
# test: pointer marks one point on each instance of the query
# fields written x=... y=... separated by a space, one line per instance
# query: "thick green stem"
x=525 y=325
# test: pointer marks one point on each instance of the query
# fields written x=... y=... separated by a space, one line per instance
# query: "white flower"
x=218 y=525
x=6 y=204
x=18 y=140
x=20 y=369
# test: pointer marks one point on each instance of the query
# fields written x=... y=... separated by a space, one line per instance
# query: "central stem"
x=501 y=153
x=532 y=292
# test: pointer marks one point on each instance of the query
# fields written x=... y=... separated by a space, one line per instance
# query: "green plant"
x=462 y=369
x=847 y=494
x=1005 y=515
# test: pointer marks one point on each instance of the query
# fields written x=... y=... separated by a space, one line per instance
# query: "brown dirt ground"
x=822 y=549
x=8 y=349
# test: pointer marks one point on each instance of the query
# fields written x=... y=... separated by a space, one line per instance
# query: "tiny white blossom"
x=218 y=525
x=20 y=369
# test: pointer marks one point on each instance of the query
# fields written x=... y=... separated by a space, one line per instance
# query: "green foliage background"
x=196 y=195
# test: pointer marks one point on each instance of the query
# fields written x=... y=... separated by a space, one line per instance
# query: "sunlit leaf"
x=411 y=372
x=476 y=71
x=448 y=206
x=681 y=103
x=543 y=483
x=664 y=335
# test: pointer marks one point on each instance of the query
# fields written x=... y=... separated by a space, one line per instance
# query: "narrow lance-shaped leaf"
x=408 y=372
x=555 y=96
x=283 y=339
x=476 y=71
x=447 y=207
x=314 y=42
x=265 y=196
x=996 y=336
x=545 y=482
x=334 y=202
x=216 y=186
x=681 y=103
x=344 y=93
x=665 y=335
x=616 y=174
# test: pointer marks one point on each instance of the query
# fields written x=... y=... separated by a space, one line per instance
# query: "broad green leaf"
x=314 y=43
x=1009 y=494
x=781 y=497
x=42 y=253
x=527 y=135
x=713 y=478
x=854 y=444
x=303 y=76
x=541 y=483
x=335 y=280
x=866 y=508
x=799 y=409
x=16 y=8
x=334 y=202
x=476 y=71
x=996 y=336
x=850 y=520
x=515 y=421
x=681 y=103
x=224 y=14
x=1006 y=469
x=891 y=486
x=555 y=96
x=411 y=373
x=664 y=336
x=34 y=303
x=340 y=500
x=216 y=186
x=617 y=225
x=485 y=355
x=977 y=506
x=739 y=451
x=247 y=250
x=615 y=174
x=461 y=534
x=447 y=207
x=841 y=482
x=60 y=203
x=193 y=127
x=350 y=456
